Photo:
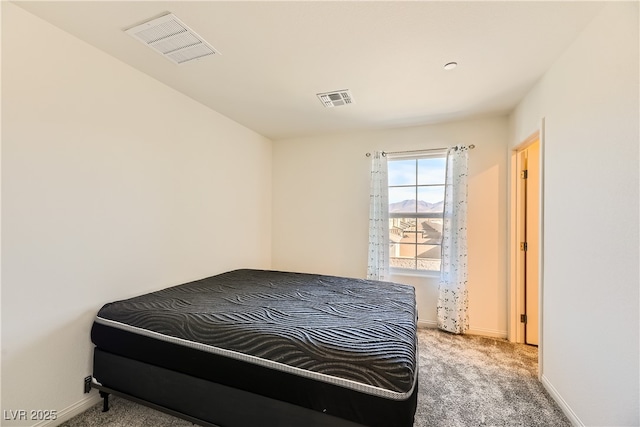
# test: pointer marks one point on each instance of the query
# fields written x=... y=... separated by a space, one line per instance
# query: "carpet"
x=465 y=380
x=468 y=380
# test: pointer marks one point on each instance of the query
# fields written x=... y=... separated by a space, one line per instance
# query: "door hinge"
x=523 y=246
x=524 y=174
x=523 y=318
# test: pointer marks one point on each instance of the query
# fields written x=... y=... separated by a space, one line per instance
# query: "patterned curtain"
x=378 y=266
x=452 y=294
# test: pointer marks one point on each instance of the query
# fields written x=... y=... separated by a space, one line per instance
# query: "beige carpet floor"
x=464 y=381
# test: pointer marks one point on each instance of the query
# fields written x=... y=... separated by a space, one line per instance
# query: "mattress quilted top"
x=351 y=332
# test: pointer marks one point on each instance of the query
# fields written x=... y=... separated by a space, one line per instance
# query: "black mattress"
x=345 y=347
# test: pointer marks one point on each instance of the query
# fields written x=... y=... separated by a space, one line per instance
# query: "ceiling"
x=276 y=56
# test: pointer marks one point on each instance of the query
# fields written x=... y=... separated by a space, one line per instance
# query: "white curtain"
x=378 y=266
x=452 y=294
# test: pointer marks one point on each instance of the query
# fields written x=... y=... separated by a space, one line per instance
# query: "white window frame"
x=415 y=156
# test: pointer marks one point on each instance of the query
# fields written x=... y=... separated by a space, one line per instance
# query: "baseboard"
x=566 y=409
x=427 y=324
x=488 y=333
x=71 y=411
x=483 y=332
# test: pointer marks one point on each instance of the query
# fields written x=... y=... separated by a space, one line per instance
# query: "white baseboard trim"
x=427 y=324
x=488 y=333
x=566 y=409
x=71 y=411
x=483 y=332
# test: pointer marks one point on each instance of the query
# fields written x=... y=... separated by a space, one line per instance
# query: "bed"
x=251 y=348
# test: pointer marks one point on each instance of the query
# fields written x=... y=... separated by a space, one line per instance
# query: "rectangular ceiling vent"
x=171 y=38
x=336 y=98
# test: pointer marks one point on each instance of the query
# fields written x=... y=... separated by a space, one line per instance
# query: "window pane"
x=416 y=195
x=431 y=229
x=431 y=171
x=428 y=257
x=402 y=256
x=428 y=264
x=429 y=251
x=402 y=172
x=430 y=198
x=402 y=199
x=403 y=230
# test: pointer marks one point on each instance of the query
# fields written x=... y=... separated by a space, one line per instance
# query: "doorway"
x=526 y=181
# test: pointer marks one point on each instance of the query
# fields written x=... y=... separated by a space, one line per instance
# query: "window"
x=416 y=203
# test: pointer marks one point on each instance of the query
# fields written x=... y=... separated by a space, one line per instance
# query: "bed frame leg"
x=105 y=401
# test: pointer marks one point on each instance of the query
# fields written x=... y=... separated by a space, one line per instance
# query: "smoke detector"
x=171 y=38
x=336 y=98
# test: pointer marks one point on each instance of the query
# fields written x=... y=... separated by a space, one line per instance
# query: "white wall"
x=589 y=99
x=113 y=185
x=321 y=208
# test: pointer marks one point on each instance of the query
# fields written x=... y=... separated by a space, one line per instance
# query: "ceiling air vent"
x=336 y=98
x=171 y=38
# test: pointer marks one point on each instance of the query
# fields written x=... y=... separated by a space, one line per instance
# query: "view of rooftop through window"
x=416 y=201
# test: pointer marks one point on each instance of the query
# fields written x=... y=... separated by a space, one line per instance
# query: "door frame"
x=515 y=297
